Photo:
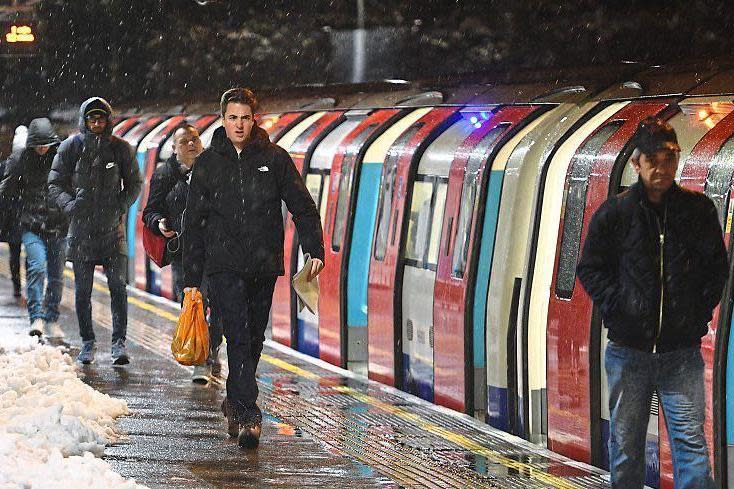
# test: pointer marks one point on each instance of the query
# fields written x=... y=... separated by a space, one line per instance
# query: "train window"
x=419 y=223
x=387 y=188
x=345 y=184
x=469 y=201
x=322 y=203
x=437 y=222
x=313 y=184
x=719 y=179
x=575 y=205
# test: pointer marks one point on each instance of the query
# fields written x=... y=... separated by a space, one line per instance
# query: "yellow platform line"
x=460 y=440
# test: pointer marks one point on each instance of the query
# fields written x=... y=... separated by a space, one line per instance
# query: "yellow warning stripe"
x=460 y=440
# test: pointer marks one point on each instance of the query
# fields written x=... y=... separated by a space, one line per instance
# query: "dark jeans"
x=115 y=267
x=45 y=258
x=15 y=264
x=677 y=376
x=244 y=307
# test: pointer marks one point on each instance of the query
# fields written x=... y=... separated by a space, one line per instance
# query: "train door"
x=147 y=154
x=122 y=127
x=458 y=346
x=385 y=274
x=133 y=137
x=339 y=344
x=300 y=142
x=277 y=125
x=318 y=178
x=365 y=219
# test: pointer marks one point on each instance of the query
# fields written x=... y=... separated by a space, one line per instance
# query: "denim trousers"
x=115 y=268
x=45 y=258
x=678 y=378
x=243 y=305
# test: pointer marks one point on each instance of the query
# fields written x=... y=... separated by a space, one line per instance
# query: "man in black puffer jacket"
x=163 y=214
x=654 y=263
x=94 y=179
x=42 y=224
x=234 y=230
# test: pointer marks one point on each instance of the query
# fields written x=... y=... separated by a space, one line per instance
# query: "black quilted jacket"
x=620 y=268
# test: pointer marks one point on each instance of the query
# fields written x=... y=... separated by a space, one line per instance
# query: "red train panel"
x=332 y=281
x=452 y=308
x=385 y=277
x=300 y=151
x=569 y=318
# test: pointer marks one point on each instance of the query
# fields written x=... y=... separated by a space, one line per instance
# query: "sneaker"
x=119 y=353
x=54 y=330
x=37 y=327
x=249 y=436
x=201 y=374
x=86 y=354
x=233 y=427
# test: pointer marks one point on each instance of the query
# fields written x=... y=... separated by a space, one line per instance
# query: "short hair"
x=184 y=127
x=238 y=96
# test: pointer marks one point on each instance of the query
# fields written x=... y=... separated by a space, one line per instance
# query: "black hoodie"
x=27 y=175
x=234 y=220
x=94 y=179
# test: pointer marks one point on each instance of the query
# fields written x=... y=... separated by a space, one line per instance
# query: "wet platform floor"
x=322 y=426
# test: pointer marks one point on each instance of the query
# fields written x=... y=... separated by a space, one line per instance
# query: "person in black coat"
x=655 y=265
x=43 y=226
x=94 y=179
x=234 y=231
x=163 y=214
x=10 y=214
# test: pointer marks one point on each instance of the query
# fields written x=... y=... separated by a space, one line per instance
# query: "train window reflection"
x=345 y=184
x=719 y=179
x=577 y=184
x=419 y=222
x=437 y=222
x=469 y=201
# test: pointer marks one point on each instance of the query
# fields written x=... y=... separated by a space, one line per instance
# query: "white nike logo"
x=110 y=165
x=263 y=168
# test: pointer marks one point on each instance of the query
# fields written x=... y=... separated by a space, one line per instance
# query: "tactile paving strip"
x=415 y=444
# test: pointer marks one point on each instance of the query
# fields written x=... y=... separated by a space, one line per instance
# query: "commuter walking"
x=43 y=226
x=654 y=263
x=94 y=179
x=10 y=214
x=163 y=214
x=234 y=229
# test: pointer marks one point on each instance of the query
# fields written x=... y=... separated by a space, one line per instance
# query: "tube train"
x=453 y=220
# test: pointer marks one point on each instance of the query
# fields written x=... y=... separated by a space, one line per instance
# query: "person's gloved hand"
x=81 y=204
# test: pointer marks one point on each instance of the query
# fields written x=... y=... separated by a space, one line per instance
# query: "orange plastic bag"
x=190 y=345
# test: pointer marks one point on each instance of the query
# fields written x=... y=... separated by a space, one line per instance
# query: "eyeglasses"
x=96 y=118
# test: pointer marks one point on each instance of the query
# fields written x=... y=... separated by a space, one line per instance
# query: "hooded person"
x=42 y=224
x=94 y=180
x=10 y=213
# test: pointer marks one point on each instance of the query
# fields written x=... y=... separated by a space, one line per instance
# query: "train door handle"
x=448 y=236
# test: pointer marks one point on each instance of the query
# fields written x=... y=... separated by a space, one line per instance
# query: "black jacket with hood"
x=94 y=179
x=620 y=268
x=26 y=175
x=169 y=188
x=234 y=219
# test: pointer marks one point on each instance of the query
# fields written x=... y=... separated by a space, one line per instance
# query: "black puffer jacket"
x=620 y=267
x=10 y=207
x=233 y=218
x=94 y=179
x=27 y=175
x=167 y=199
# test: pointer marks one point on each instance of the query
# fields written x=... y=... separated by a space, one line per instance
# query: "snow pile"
x=52 y=425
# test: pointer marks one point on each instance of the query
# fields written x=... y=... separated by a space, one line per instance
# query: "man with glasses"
x=94 y=179
x=163 y=214
x=655 y=265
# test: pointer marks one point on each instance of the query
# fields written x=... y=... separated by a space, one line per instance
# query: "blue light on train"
x=478 y=119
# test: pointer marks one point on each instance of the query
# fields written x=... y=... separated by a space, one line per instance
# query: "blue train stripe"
x=308 y=337
x=132 y=215
x=361 y=244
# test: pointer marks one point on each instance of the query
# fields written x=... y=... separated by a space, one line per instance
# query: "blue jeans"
x=115 y=267
x=45 y=258
x=677 y=377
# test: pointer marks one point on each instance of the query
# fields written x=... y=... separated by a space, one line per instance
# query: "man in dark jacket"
x=654 y=263
x=42 y=224
x=234 y=229
x=163 y=214
x=10 y=213
x=94 y=179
